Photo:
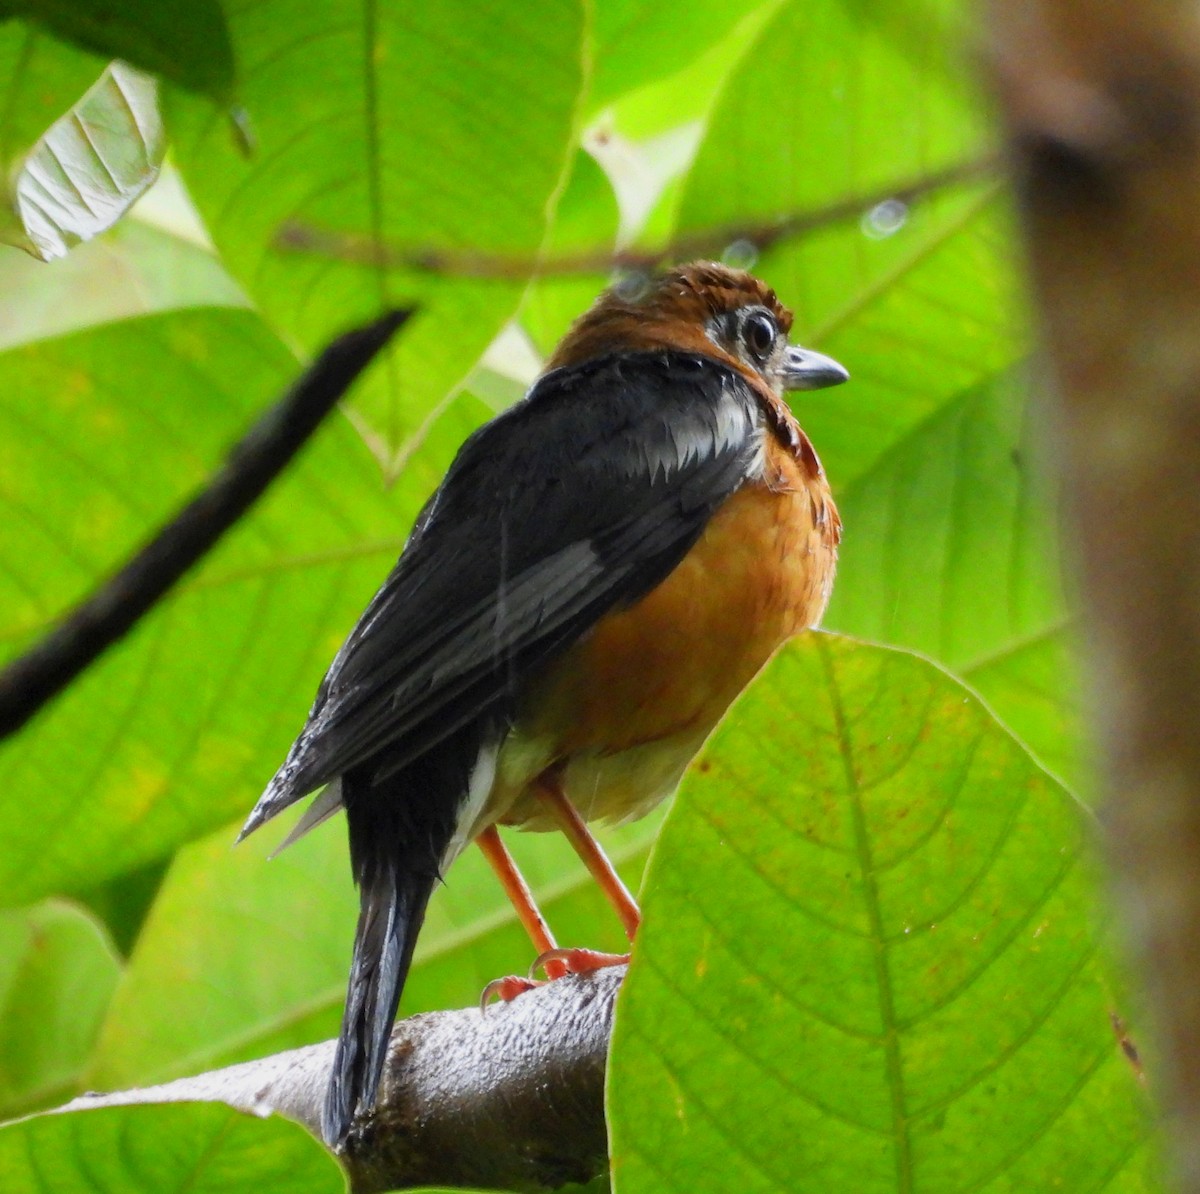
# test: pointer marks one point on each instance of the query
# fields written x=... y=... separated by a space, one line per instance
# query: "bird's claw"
x=576 y=961
x=557 y=963
x=506 y=989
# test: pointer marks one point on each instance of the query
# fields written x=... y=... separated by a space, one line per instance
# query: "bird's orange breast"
x=651 y=681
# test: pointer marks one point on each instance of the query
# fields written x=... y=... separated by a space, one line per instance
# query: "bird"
x=604 y=567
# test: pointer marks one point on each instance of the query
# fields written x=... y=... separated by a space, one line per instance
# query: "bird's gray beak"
x=804 y=369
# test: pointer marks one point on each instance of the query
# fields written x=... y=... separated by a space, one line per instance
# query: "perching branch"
x=508 y=1099
x=258 y=458
x=1102 y=102
x=709 y=242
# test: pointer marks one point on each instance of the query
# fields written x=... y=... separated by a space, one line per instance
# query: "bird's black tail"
x=392 y=909
x=401 y=827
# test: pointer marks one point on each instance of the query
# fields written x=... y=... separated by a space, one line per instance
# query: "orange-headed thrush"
x=603 y=569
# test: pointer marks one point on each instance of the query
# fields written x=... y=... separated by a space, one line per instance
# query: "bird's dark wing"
x=581 y=498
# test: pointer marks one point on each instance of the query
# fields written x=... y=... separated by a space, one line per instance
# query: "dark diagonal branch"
x=260 y=456
x=512 y=1099
x=710 y=242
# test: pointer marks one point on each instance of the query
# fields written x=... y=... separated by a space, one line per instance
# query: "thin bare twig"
x=710 y=242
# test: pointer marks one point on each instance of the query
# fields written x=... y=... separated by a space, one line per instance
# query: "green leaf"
x=189 y=1147
x=40 y=78
x=176 y=730
x=951 y=550
x=824 y=106
x=238 y=960
x=57 y=975
x=1034 y=687
x=91 y=165
x=123 y=902
x=586 y=223
x=935 y=324
x=382 y=130
x=952 y=541
x=666 y=105
x=186 y=43
x=870 y=958
x=638 y=42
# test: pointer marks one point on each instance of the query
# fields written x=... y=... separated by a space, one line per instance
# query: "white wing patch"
x=737 y=422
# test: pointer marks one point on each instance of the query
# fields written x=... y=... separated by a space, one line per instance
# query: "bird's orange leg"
x=529 y=914
x=549 y=790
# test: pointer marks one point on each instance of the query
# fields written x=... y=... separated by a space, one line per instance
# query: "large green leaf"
x=638 y=42
x=951 y=537
x=390 y=128
x=587 y=223
x=1034 y=687
x=870 y=958
x=57 y=975
x=123 y=902
x=825 y=105
x=933 y=326
x=244 y=956
x=40 y=78
x=951 y=550
x=186 y=43
x=183 y=1149
x=174 y=732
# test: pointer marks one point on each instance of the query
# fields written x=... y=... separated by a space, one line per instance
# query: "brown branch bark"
x=510 y=1099
x=1102 y=103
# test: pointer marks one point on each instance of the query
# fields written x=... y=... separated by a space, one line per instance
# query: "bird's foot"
x=556 y=963
x=577 y=961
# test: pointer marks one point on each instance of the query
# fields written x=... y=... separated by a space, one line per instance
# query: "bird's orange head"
x=704 y=308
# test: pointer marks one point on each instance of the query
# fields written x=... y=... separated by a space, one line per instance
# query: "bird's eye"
x=759 y=332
